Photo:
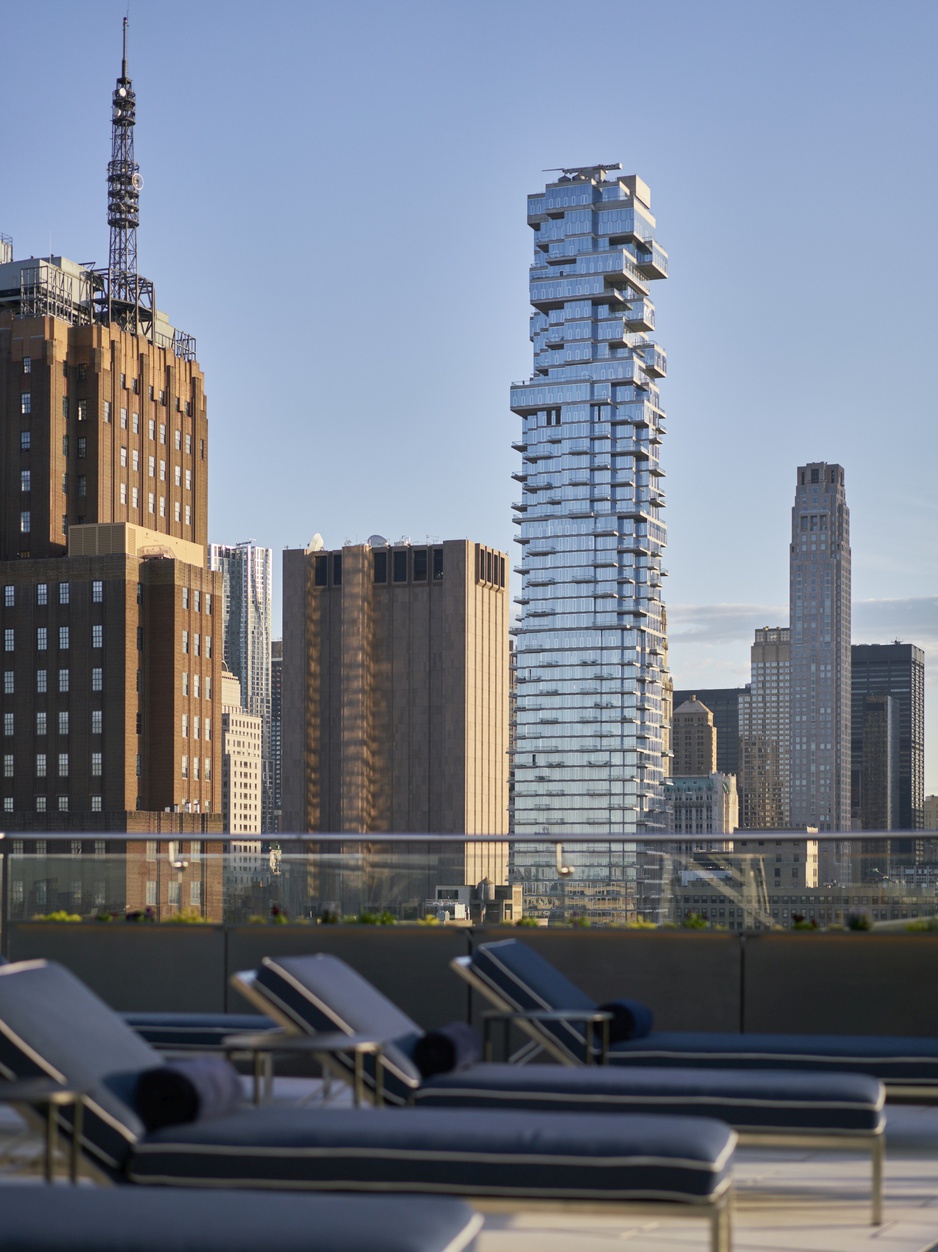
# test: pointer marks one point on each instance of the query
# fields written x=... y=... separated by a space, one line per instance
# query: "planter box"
x=844 y=984
x=410 y=964
x=134 y=967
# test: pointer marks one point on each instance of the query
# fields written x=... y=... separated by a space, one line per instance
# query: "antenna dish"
x=137 y=182
x=316 y=543
x=377 y=541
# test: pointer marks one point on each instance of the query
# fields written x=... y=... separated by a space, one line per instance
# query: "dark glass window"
x=815 y=475
x=420 y=565
x=501 y=571
x=381 y=567
x=321 y=570
x=337 y=569
x=400 y=566
x=488 y=567
x=437 y=564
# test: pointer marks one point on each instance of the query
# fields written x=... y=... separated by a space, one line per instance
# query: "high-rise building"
x=723 y=703
x=246 y=604
x=704 y=805
x=896 y=670
x=395 y=694
x=107 y=611
x=276 y=729
x=764 y=733
x=693 y=740
x=590 y=753
x=879 y=764
x=819 y=777
x=242 y=735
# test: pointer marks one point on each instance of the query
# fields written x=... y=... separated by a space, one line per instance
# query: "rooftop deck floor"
x=787 y=1201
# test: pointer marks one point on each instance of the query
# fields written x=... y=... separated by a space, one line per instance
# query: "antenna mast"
x=126 y=291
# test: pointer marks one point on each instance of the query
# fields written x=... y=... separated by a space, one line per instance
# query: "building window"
x=173 y=895
x=8 y=723
x=399 y=565
x=97 y=679
x=162 y=506
x=208 y=769
x=184 y=766
x=27 y=364
x=177 y=511
x=95 y=802
x=208 y=604
x=63 y=637
x=8 y=682
x=123 y=419
x=40 y=808
x=24 y=524
x=25 y=480
x=40 y=764
x=135 y=460
x=63 y=680
x=196 y=726
x=63 y=723
x=123 y=493
x=196 y=762
x=177 y=476
x=96 y=763
x=151 y=430
x=208 y=728
x=134 y=497
x=97 y=591
x=208 y=645
x=185 y=597
x=151 y=893
x=185 y=725
x=185 y=682
x=82 y=410
x=9 y=592
x=195 y=894
x=26 y=402
x=82 y=485
x=195 y=685
x=151 y=502
x=107 y=411
x=208 y=687
x=42 y=593
x=135 y=423
x=162 y=432
x=96 y=719
x=63 y=807
x=8 y=765
x=8 y=639
x=151 y=466
x=196 y=600
x=178 y=440
x=185 y=642
x=188 y=480
x=40 y=680
x=63 y=593
x=188 y=445
x=123 y=458
x=196 y=643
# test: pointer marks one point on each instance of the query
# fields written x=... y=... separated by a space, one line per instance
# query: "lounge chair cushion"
x=890 y=1058
x=535 y=1155
x=770 y=1101
x=630 y=1019
x=52 y=1025
x=198 y=1032
x=112 y=1219
x=321 y=993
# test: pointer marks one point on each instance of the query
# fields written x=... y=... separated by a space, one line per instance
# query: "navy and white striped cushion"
x=531 y=1155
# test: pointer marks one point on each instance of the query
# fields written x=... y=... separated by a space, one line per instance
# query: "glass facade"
x=590 y=743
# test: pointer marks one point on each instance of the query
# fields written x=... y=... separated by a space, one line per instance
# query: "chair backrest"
x=520 y=977
x=320 y=993
x=52 y=1025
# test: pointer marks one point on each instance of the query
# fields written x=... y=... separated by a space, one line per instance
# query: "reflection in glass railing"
x=754 y=880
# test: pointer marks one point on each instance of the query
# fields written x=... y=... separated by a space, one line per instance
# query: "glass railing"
x=752 y=880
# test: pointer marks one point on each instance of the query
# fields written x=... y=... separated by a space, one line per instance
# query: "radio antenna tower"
x=130 y=298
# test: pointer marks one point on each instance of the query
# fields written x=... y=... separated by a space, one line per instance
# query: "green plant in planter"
x=577 y=922
x=104 y=916
x=375 y=919
x=923 y=925
x=695 y=921
x=430 y=920
x=59 y=916
x=800 y=922
x=186 y=917
x=527 y=921
x=859 y=921
x=640 y=923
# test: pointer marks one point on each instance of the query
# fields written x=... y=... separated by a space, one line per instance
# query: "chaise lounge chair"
x=513 y=977
x=52 y=1026
x=322 y=994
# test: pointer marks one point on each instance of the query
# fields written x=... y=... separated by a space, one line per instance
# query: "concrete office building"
x=276 y=730
x=107 y=612
x=693 y=740
x=764 y=733
x=723 y=703
x=247 y=578
x=896 y=670
x=395 y=691
x=819 y=721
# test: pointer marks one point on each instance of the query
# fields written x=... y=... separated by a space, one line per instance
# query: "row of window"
x=42 y=764
x=42 y=723
x=197 y=725
x=42 y=680
x=42 y=593
x=41 y=807
x=198 y=688
x=178 y=511
x=196 y=763
x=197 y=640
x=42 y=637
x=193 y=600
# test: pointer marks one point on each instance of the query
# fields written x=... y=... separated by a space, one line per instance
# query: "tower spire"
x=123 y=208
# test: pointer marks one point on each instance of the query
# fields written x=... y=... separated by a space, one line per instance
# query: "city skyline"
x=796 y=143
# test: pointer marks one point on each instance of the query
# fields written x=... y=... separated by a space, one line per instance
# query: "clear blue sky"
x=334 y=205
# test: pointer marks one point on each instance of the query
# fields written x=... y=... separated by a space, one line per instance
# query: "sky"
x=334 y=205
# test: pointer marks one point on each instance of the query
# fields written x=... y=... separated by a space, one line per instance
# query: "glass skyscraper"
x=590 y=742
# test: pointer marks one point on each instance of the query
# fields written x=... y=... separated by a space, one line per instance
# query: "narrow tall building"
x=819 y=780
x=110 y=678
x=764 y=733
x=723 y=703
x=590 y=754
x=693 y=740
x=247 y=576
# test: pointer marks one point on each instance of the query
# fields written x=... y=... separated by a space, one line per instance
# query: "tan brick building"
x=395 y=689
x=693 y=740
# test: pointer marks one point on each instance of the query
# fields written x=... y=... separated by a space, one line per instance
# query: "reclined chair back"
x=53 y=1026
x=321 y=994
x=515 y=978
